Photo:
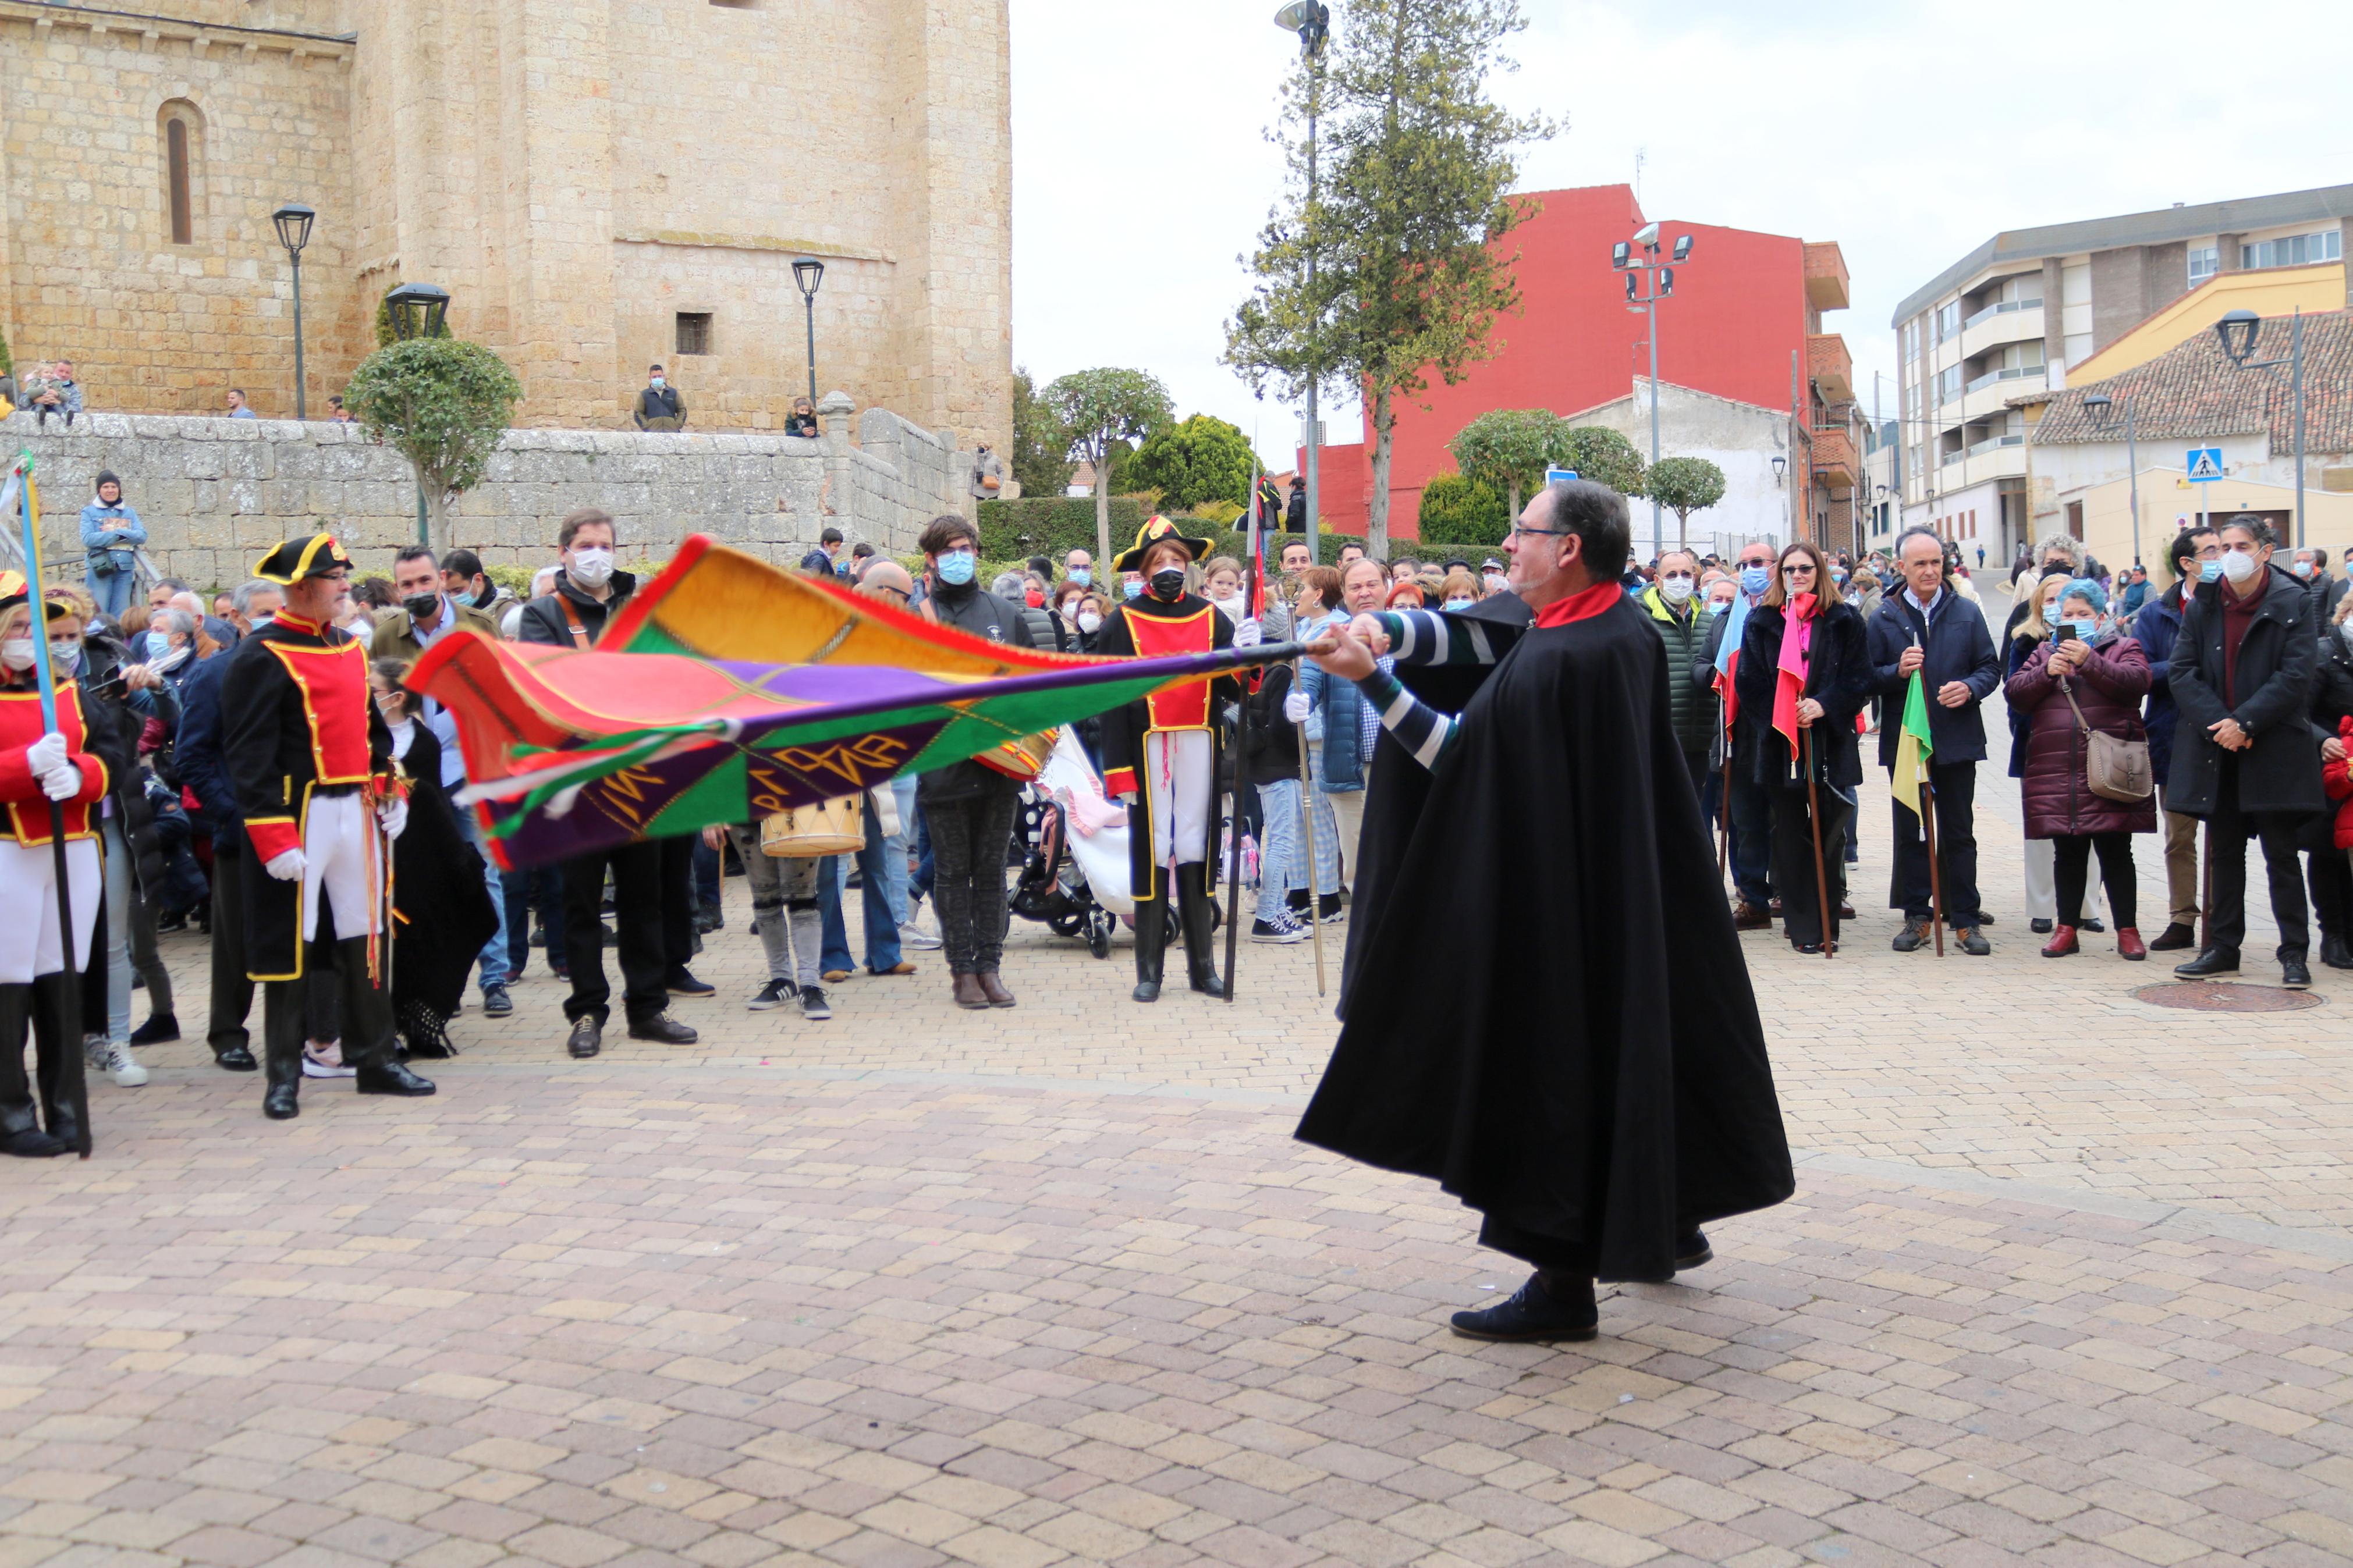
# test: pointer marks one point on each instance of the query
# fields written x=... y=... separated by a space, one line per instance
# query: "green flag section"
x=1912 y=745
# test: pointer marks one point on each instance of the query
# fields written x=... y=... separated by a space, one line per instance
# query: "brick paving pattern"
x=2067 y=1281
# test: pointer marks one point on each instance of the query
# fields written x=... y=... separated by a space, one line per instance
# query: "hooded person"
x=1596 y=1110
x=1161 y=755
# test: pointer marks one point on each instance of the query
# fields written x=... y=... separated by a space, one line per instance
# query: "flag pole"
x=1936 y=877
x=77 y=1083
x=1241 y=771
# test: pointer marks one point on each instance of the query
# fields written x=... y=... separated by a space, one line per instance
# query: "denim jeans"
x=882 y=925
x=1282 y=855
x=495 y=967
x=541 y=888
x=112 y=591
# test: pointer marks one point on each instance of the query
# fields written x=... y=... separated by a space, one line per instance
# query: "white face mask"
x=1675 y=590
x=1496 y=581
x=592 y=565
x=1090 y=622
x=16 y=653
x=2238 y=565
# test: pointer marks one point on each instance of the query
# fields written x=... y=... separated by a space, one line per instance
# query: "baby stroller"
x=1075 y=876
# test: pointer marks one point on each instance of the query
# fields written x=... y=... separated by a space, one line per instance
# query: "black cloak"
x=441 y=913
x=1590 y=1065
x=1396 y=786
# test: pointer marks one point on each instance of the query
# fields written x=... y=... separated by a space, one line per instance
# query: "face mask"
x=16 y=653
x=2088 y=630
x=422 y=607
x=2051 y=614
x=1090 y=622
x=1132 y=588
x=2238 y=566
x=656 y=384
x=158 y=644
x=65 y=650
x=2303 y=568
x=956 y=567
x=1459 y=603
x=1838 y=573
x=2208 y=570
x=592 y=566
x=1675 y=590
x=1169 y=583
x=1718 y=606
x=1496 y=581
x=1082 y=577
x=1755 y=580
x=1035 y=599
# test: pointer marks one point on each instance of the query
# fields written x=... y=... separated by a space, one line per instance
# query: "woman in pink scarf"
x=1803 y=661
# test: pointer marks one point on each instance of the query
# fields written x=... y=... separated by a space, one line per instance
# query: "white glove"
x=1297 y=706
x=287 y=865
x=62 y=781
x=392 y=816
x=1250 y=634
x=45 y=755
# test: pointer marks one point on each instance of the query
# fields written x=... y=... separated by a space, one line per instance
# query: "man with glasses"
x=311 y=761
x=1671 y=604
x=1751 y=823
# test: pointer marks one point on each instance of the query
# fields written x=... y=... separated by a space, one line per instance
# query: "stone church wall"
x=218 y=494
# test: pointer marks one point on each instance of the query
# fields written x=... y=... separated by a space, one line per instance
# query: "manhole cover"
x=2207 y=996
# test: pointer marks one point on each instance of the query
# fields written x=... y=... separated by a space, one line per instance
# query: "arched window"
x=182 y=134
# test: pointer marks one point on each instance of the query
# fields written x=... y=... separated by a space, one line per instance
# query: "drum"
x=829 y=828
x=1020 y=759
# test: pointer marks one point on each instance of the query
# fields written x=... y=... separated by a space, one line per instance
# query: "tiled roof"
x=2193 y=391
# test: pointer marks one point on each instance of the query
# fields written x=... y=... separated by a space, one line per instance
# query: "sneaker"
x=158 y=1028
x=1278 y=925
x=1328 y=910
x=774 y=994
x=1912 y=936
x=915 y=936
x=1973 y=942
x=326 y=1061
x=683 y=983
x=496 y=1003
x=813 y=1006
x=114 y=1059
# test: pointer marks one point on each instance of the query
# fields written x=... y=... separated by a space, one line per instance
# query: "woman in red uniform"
x=39 y=766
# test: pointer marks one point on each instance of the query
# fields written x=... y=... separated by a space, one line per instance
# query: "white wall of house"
x=1741 y=438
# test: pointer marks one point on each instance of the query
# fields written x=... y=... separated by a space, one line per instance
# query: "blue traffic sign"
x=1559 y=475
x=2204 y=464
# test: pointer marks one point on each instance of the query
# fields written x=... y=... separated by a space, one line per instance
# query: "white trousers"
x=2043 y=883
x=1176 y=778
x=339 y=841
x=30 y=941
x=1349 y=819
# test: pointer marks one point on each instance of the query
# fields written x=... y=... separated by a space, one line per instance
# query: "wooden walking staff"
x=1241 y=774
x=1935 y=876
x=1822 y=876
x=77 y=1084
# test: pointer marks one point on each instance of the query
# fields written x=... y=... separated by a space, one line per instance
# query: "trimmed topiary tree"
x=1202 y=458
x=444 y=404
x=1454 y=508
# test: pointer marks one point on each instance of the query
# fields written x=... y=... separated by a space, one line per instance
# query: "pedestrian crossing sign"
x=2205 y=464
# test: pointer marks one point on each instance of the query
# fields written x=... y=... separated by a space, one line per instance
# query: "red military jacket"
x=27 y=808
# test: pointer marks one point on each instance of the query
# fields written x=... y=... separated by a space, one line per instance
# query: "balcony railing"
x=1994 y=443
x=1992 y=377
x=2001 y=309
x=1952 y=457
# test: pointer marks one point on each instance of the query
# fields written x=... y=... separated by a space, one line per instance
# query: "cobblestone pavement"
x=2067 y=1280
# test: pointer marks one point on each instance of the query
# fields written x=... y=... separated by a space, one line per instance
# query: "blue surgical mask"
x=1755 y=580
x=956 y=567
x=2209 y=571
x=2051 y=613
x=1082 y=577
x=158 y=644
x=2088 y=630
x=1133 y=587
x=1838 y=573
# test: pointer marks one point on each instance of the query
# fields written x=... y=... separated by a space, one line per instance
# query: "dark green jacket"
x=1691 y=704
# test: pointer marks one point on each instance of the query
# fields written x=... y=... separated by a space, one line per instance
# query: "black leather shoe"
x=683 y=983
x=2335 y=953
x=2213 y=961
x=586 y=1039
x=2294 y=975
x=392 y=1077
x=1532 y=1314
x=2040 y=928
x=2178 y=936
x=31 y=1143
x=280 y=1103
x=237 y=1058
x=663 y=1029
x=1693 y=1250
x=158 y=1028
x=2091 y=923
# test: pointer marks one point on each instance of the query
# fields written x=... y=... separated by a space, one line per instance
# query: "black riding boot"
x=369 y=1026
x=1151 y=946
x=283 y=1017
x=56 y=1060
x=20 y=1124
x=1199 y=915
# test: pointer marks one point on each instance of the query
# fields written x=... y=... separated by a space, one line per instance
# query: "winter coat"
x=1958 y=648
x=1838 y=676
x=2108 y=688
x=2281 y=771
x=1690 y=701
x=2155 y=625
x=1273 y=739
x=395 y=635
x=113 y=551
x=1339 y=709
x=2336 y=778
x=542 y=618
x=971 y=608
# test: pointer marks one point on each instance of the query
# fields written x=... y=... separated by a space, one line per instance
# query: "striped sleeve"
x=1420 y=729
x=1428 y=637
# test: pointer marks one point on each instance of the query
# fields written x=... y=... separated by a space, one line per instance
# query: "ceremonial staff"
x=1822 y=906
x=77 y=1085
x=1241 y=768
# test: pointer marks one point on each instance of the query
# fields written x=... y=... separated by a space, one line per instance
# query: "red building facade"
x=1742 y=306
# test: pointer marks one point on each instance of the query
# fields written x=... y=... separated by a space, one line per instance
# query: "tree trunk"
x=1376 y=521
x=1103 y=513
x=1514 y=488
x=1682 y=529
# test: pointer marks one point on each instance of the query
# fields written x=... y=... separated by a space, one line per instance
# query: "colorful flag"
x=1912 y=745
x=1728 y=657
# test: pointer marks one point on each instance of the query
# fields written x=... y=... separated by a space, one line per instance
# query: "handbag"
x=2114 y=768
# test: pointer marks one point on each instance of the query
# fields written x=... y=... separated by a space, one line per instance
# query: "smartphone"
x=2062 y=632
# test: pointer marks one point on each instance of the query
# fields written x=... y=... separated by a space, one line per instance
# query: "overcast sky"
x=1908 y=132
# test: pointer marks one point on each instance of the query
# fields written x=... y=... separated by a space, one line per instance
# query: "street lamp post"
x=1661 y=283
x=293 y=221
x=2238 y=330
x=809 y=272
x=2101 y=408
x=1311 y=20
x=418 y=311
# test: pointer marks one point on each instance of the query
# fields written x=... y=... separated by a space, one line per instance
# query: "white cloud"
x=1909 y=133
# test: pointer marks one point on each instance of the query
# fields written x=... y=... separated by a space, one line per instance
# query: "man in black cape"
x=1593 y=1078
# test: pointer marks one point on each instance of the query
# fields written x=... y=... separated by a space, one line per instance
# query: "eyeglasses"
x=1676 y=577
x=1798 y=568
x=1519 y=529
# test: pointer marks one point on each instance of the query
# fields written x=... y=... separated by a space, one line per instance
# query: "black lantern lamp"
x=2237 y=330
x=418 y=311
x=809 y=272
x=294 y=221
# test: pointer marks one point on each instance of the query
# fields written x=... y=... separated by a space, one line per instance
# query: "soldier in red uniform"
x=1161 y=755
x=36 y=767
x=312 y=761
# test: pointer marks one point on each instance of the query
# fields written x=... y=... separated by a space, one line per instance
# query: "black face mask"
x=2058 y=569
x=423 y=606
x=1169 y=583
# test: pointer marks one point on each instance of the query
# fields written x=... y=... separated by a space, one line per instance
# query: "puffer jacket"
x=2109 y=689
x=2155 y=625
x=1690 y=705
x=2336 y=778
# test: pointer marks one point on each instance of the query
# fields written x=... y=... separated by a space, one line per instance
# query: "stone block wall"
x=215 y=494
